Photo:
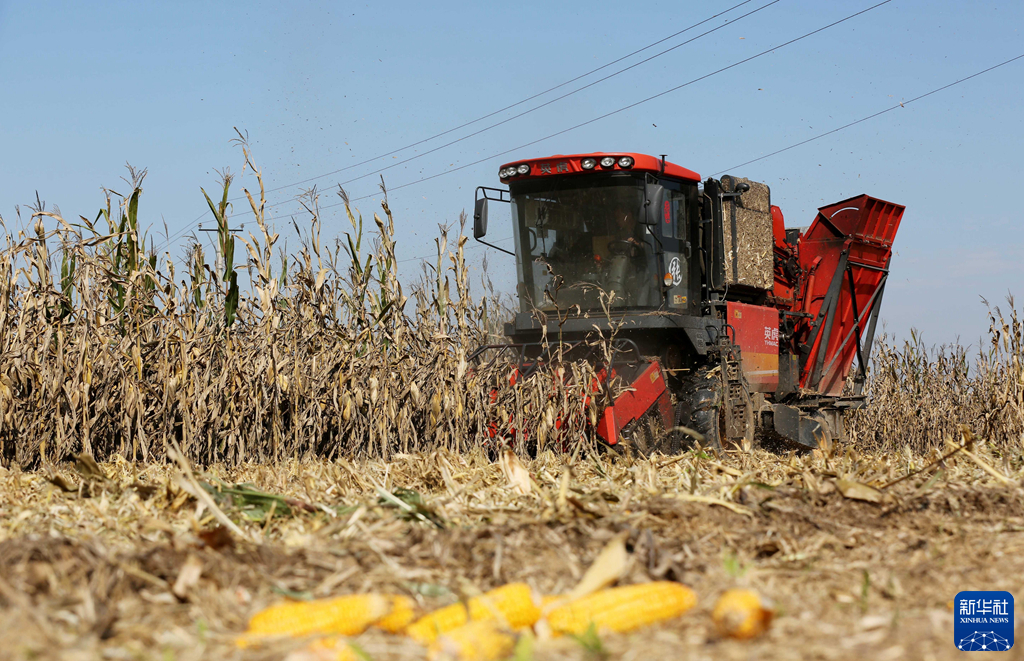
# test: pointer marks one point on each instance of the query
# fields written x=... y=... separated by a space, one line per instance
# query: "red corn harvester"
x=726 y=325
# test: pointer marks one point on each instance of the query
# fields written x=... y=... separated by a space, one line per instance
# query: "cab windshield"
x=582 y=238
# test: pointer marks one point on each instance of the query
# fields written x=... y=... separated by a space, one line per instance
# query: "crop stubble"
x=850 y=578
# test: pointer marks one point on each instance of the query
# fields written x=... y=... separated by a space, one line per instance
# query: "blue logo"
x=983 y=621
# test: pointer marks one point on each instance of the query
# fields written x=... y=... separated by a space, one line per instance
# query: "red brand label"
x=668 y=211
x=756 y=330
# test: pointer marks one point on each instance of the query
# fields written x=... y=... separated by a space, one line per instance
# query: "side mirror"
x=654 y=209
x=480 y=213
x=480 y=218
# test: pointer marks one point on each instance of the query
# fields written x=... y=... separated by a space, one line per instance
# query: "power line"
x=491 y=114
x=872 y=116
x=822 y=135
x=519 y=103
x=472 y=245
x=177 y=235
x=793 y=146
x=619 y=110
x=526 y=112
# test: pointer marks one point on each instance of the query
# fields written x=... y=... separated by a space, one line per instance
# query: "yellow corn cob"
x=623 y=609
x=426 y=629
x=741 y=614
x=480 y=640
x=330 y=649
x=511 y=604
x=403 y=611
x=346 y=616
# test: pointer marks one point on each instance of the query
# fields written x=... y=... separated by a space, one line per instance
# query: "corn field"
x=342 y=439
x=921 y=397
x=325 y=354
x=106 y=349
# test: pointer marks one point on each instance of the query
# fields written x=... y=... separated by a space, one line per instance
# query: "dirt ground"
x=128 y=565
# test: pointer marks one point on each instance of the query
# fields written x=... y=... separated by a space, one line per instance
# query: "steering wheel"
x=622 y=247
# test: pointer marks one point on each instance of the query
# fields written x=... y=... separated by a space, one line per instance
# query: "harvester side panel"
x=756 y=331
x=845 y=255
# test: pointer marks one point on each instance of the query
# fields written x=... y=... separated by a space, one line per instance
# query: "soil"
x=102 y=576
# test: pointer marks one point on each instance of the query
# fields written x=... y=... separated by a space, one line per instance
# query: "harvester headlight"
x=626 y=162
x=523 y=169
x=588 y=163
x=607 y=161
x=503 y=173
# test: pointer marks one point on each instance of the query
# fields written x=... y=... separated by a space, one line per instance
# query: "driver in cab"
x=623 y=232
x=622 y=249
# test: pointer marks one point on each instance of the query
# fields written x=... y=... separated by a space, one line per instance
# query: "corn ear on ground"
x=741 y=614
x=426 y=629
x=403 y=612
x=512 y=605
x=623 y=609
x=479 y=640
x=346 y=616
x=325 y=649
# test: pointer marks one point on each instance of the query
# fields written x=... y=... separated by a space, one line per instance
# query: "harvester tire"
x=699 y=410
x=702 y=409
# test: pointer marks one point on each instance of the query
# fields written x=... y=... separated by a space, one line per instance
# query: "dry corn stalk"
x=327 y=355
x=608 y=567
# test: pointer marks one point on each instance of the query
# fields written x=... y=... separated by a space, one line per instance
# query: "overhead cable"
x=617 y=111
x=837 y=129
x=473 y=121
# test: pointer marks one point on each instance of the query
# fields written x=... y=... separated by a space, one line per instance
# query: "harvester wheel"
x=702 y=409
x=699 y=410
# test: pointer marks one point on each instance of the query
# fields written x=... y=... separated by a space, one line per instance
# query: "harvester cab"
x=735 y=327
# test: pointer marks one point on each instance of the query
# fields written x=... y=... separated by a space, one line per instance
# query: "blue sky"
x=88 y=87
